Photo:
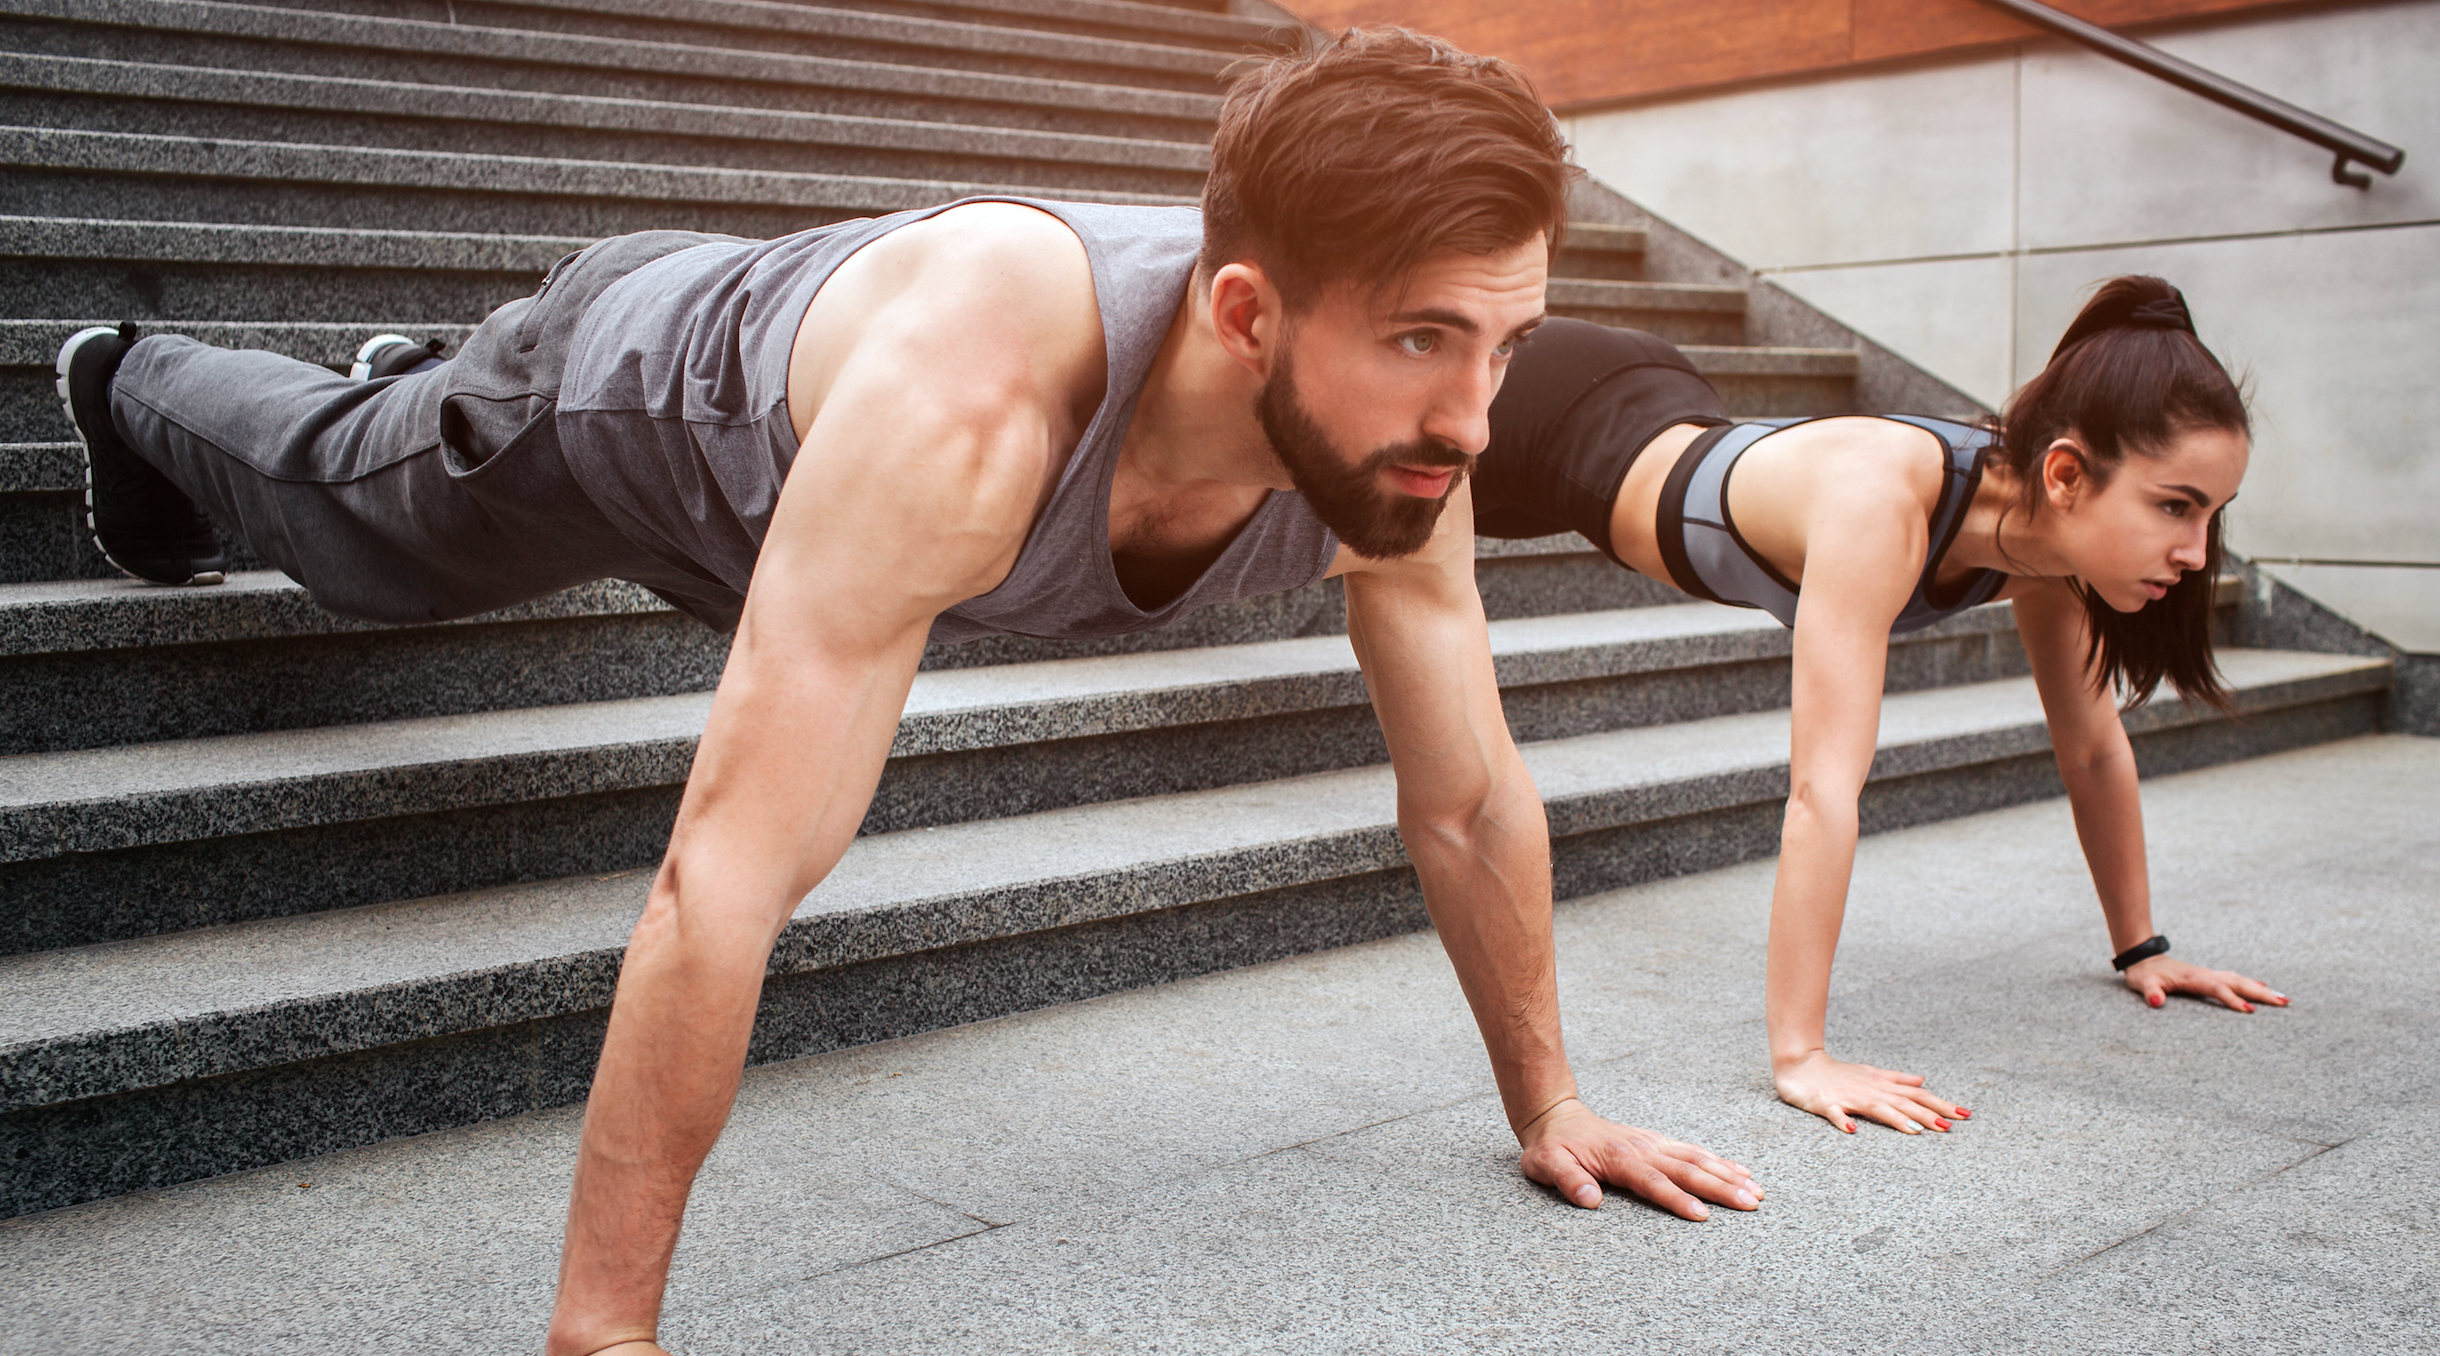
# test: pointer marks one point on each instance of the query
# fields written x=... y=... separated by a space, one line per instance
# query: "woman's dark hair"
x=2127 y=377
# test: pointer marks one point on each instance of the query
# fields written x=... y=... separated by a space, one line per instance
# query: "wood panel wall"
x=1589 y=52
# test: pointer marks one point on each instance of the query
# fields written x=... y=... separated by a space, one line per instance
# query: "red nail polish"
x=1939 y=1124
x=2153 y=999
x=1962 y=1113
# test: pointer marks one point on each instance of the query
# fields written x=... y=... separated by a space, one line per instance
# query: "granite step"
x=139 y=1063
x=1113 y=100
x=1686 y=314
x=119 y=176
x=194 y=101
x=103 y=843
x=969 y=42
x=749 y=27
x=93 y=663
x=1597 y=251
x=1200 y=23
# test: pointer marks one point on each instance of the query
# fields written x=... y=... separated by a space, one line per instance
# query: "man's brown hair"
x=1357 y=160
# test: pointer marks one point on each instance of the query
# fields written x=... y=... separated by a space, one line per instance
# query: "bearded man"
x=1053 y=419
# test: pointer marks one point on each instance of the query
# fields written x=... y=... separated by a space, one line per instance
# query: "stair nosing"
x=305 y=163
x=119 y=797
x=527 y=46
x=463 y=103
x=921 y=889
x=957 y=35
x=122 y=796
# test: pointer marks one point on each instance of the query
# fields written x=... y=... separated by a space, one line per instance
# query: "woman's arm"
x=1865 y=547
x=2098 y=766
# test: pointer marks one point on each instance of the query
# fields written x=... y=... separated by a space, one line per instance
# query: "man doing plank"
x=1056 y=419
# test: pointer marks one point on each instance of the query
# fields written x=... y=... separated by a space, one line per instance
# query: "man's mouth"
x=1423 y=482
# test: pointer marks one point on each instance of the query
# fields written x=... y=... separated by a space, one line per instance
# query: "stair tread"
x=104 y=798
x=1564 y=291
x=600 y=180
x=1114 y=13
x=425 y=38
x=88 y=1020
x=756 y=17
x=461 y=103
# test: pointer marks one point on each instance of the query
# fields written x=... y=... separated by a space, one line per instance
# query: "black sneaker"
x=143 y=524
x=394 y=355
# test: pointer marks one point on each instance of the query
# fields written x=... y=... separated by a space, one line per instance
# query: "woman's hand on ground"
x=1572 y=1151
x=2156 y=977
x=1838 y=1092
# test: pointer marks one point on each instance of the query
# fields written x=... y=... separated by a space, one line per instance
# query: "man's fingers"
x=1653 y=1185
x=1572 y=1182
x=1738 y=1192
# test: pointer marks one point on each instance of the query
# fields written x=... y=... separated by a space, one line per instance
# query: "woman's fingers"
x=2258 y=991
x=1928 y=1110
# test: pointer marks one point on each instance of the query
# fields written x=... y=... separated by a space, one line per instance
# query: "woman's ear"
x=2066 y=475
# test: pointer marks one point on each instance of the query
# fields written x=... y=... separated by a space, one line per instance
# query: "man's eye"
x=1419 y=343
x=1506 y=350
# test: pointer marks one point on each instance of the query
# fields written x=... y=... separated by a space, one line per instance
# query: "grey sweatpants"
x=414 y=499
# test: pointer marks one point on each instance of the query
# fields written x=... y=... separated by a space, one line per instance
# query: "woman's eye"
x=1419 y=343
x=2175 y=508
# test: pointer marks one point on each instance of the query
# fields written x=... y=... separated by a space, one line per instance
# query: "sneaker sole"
x=59 y=384
x=362 y=368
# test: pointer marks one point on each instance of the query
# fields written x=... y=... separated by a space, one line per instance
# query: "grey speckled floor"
x=1304 y=1157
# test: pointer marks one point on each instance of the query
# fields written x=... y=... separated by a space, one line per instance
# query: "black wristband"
x=2141 y=951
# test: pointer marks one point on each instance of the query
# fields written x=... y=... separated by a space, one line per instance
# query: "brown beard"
x=1348 y=499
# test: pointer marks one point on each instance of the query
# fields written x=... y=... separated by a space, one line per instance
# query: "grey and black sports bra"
x=1707 y=558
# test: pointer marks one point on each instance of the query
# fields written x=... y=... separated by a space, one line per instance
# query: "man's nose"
x=1461 y=411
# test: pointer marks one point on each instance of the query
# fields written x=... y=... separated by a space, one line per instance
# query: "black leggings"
x=1580 y=402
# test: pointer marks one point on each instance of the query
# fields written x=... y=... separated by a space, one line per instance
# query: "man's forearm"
x=669 y=1070
x=1486 y=880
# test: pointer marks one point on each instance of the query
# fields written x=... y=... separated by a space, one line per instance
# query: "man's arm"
x=1473 y=824
x=914 y=489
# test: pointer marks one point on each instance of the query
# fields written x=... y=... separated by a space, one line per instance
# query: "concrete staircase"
x=273 y=883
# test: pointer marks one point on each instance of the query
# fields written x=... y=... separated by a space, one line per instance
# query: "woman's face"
x=2131 y=538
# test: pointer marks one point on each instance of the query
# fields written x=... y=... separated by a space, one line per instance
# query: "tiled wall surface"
x=1958 y=210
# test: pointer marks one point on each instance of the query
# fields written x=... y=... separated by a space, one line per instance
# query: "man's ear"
x=2066 y=474
x=1246 y=315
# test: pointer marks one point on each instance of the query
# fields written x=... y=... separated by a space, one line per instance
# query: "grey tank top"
x=1700 y=543
x=673 y=416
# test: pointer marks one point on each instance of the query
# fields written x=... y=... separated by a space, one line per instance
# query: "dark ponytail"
x=2127 y=377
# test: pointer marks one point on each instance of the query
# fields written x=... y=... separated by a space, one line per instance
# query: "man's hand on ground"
x=1572 y=1151
x=2156 y=977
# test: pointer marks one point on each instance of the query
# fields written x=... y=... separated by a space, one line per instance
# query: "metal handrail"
x=2350 y=145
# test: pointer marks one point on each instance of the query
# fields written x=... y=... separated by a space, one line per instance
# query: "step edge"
x=819 y=939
